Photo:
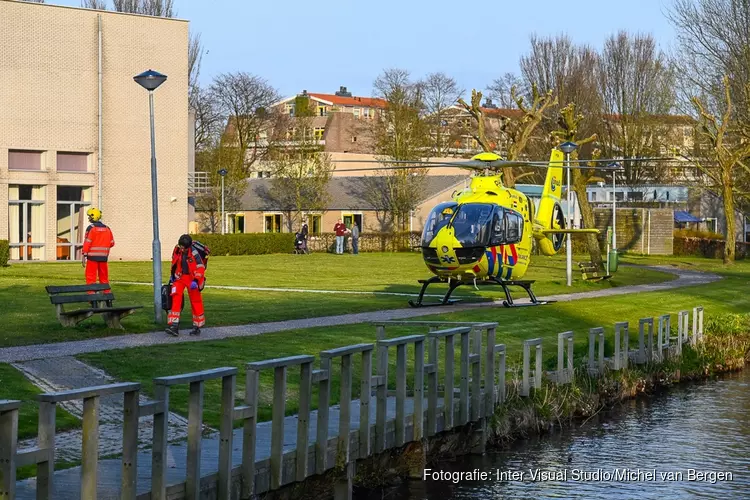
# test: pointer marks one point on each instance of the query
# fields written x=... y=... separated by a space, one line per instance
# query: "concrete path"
x=62 y=374
x=73 y=348
x=67 y=483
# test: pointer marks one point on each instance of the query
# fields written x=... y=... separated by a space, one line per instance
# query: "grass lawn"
x=13 y=385
x=29 y=318
x=515 y=325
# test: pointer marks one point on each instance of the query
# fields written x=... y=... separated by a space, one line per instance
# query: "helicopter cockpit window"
x=513 y=227
x=472 y=224
x=438 y=219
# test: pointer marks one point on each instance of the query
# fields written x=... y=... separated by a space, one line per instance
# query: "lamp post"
x=567 y=148
x=223 y=172
x=150 y=80
x=612 y=255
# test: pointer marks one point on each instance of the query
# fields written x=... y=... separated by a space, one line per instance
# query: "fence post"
x=463 y=398
x=489 y=374
x=46 y=441
x=418 y=390
x=303 y=419
x=365 y=394
x=500 y=349
x=228 y=386
x=159 y=445
x=345 y=411
x=8 y=448
x=697 y=325
x=645 y=346
x=622 y=345
x=277 y=426
x=324 y=399
x=382 y=397
x=476 y=374
x=400 y=394
x=432 y=385
x=90 y=451
x=129 y=483
x=249 y=433
x=450 y=350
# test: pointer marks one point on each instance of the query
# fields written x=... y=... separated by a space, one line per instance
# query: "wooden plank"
x=343 y=351
x=400 y=394
x=432 y=385
x=8 y=448
x=500 y=348
x=9 y=404
x=195 y=431
x=277 y=426
x=538 y=363
x=525 y=384
x=90 y=450
x=476 y=374
x=345 y=412
x=463 y=398
x=249 y=434
x=150 y=408
x=46 y=441
x=379 y=332
x=489 y=374
x=449 y=380
x=189 y=378
x=365 y=393
x=324 y=400
x=94 y=287
x=408 y=339
x=88 y=392
x=131 y=413
x=303 y=419
x=30 y=456
x=83 y=298
x=159 y=446
x=226 y=427
x=280 y=362
x=382 y=399
x=418 y=390
x=319 y=375
x=449 y=332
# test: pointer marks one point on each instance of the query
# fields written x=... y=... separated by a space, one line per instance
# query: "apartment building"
x=74 y=134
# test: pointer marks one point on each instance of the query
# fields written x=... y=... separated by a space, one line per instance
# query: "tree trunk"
x=509 y=179
x=587 y=215
x=730 y=237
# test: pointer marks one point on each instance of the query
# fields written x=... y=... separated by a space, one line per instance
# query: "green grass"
x=515 y=325
x=29 y=318
x=13 y=385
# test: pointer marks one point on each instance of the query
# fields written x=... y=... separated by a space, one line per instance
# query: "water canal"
x=689 y=442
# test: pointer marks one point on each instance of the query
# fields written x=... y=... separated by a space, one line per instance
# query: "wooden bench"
x=591 y=272
x=98 y=302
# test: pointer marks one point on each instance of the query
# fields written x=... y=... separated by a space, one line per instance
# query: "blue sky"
x=319 y=46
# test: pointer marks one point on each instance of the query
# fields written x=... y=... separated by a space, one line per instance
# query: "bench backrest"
x=588 y=267
x=71 y=294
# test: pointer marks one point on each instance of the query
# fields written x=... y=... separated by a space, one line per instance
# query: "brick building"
x=53 y=165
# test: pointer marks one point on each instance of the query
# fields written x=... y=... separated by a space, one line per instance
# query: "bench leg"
x=73 y=320
x=113 y=319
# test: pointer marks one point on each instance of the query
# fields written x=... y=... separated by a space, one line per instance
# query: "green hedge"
x=703 y=247
x=247 y=243
x=4 y=253
x=368 y=242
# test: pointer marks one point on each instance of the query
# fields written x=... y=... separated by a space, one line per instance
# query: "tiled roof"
x=345 y=193
x=365 y=102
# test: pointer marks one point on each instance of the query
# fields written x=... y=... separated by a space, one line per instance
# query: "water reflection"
x=704 y=428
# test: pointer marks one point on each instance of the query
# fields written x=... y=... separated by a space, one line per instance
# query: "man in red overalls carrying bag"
x=96 y=245
x=188 y=272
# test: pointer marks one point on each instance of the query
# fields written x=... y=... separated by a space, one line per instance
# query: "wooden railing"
x=480 y=392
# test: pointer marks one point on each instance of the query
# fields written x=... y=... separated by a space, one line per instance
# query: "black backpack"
x=203 y=251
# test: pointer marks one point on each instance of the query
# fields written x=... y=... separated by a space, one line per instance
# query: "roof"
x=366 y=102
x=345 y=193
x=682 y=216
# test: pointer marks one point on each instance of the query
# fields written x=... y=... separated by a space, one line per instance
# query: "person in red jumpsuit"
x=96 y=245
x=188 y=273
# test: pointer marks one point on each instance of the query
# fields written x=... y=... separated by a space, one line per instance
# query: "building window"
x=357 y=112
x=72 y=162
x=366 y=112
x=354 y=138
x=24 y=160
x=593 y=196
x=314 y=223
x=711 y=224
x=349 y=218
x=26 y=222
x=322 y=111
x=635 y=196
x=619 y=196
x=235 y=223
x=319 y=133
x=272 y=223
x=72 y=203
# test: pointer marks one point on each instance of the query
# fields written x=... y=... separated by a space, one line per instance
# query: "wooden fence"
x=480 y=392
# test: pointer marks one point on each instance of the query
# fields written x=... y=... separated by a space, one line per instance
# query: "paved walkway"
x=66 y=373
x=73 y=348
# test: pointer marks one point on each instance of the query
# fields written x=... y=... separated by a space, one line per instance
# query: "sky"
x=320 y=46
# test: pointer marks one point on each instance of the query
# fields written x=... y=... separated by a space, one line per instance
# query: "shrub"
x=368 y=242
x=247 y=243
x=4 y=253
x=703 y=247
x=690 y=233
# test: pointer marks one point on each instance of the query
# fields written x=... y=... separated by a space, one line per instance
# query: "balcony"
x=198 y=183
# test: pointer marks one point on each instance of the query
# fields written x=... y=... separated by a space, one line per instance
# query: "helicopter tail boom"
x=549 y=206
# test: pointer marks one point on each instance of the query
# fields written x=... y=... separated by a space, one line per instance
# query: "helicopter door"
x=507 y=227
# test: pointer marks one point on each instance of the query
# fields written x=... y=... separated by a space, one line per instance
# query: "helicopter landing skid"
x=453 y=284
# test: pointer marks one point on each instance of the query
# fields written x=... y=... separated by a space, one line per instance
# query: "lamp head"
x=223 y=172
x=568 y=147
x=150 y=80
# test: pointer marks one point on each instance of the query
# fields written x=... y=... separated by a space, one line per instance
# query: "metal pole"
x=223 y=218
x=156 y=256
x=614 y=213
x=569 y=249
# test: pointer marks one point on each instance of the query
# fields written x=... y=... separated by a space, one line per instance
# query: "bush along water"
x=725 y=348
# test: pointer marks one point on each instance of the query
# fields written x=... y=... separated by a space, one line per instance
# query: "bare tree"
x=209 y=121
x=300 y=170
x=158 y=8
x=94 y=4
x=440 y=92
x=195 y=58
x=245 y=100
x=729 y=149
x=400 y=133
x=714 y=41
x=503 y=88
x=637 y=87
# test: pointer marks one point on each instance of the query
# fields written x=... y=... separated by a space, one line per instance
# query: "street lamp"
x=223 y=172
x=150 y=80
x=567 y=148
x=612 y=255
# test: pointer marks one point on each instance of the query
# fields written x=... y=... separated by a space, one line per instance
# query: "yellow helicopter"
x=484 y=234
